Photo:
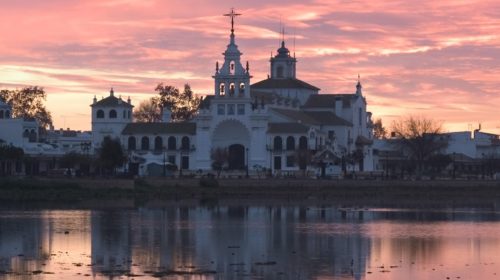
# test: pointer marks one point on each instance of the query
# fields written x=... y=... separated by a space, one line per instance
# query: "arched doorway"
x=236 y=157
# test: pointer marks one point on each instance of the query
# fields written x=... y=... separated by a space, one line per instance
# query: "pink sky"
x=439 y=59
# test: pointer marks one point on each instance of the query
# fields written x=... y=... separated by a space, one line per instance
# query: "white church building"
x=282 y=124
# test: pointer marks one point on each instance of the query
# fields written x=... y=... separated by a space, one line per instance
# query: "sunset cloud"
x=437 y=58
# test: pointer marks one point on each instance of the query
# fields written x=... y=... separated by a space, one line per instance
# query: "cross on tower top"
x=232 y=15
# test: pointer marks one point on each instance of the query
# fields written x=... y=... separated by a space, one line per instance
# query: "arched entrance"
x=236 y=157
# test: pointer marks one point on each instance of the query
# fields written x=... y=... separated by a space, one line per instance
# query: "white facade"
x=268 y=124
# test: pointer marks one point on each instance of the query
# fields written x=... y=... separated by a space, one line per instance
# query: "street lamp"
x=247 y=163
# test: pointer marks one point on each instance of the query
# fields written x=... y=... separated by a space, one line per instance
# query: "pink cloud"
x=434 y=57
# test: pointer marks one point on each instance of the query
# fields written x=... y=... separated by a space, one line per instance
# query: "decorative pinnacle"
x=232 y=15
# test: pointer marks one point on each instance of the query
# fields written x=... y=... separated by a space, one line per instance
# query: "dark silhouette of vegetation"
x=419 y=139
x=379 y=131
x=148 y=111
x=184 y=105
x=111 y=155
x=27 y=103
x=220 y=159
x=9 y=155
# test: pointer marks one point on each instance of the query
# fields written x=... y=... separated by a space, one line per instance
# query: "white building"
x=281 y=123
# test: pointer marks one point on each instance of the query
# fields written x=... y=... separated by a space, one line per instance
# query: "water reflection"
x=237 y=242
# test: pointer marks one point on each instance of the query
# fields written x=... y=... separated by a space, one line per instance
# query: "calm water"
x=250 y=243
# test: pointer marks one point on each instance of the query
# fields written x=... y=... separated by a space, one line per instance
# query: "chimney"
x=95 y=99
x=166 y=114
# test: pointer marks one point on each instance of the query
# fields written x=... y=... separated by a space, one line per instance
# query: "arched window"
x=112 y=114
x=124 y=114
x=131 y=143
x=32 y=137
x=129 y=114
x=222 y=89
x=7 y=114
x=303 y=143
x=185 y=143
x=231 y=68
x=279 y=72
x=278 y=143
x=1 y=114
x=100 y=114
x=26 y=133
x=172 y=143
x=242 y=88
x=231 y=89
x=158 y=143
x=290 y=143
x=145 y=143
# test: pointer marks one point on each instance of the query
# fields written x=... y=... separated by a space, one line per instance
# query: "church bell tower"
x=232 y=79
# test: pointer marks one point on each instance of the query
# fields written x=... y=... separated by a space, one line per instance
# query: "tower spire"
x=232 y=14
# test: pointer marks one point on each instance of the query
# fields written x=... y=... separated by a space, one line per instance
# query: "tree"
x=419 y=138
x=220 y=158
x=379 y=131
x=111 y=154
x=9 y=154
x=184 y=105
x=27 y=103
x=148 y=111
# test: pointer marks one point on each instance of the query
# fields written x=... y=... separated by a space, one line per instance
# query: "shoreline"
x=151 y=192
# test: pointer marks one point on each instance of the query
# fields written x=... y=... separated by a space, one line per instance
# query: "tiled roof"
x=111 y=101
x=327 y=118
x=296 y=116
x=160 y=128
x=328 y=100
x=287 y=128
x=282 y=83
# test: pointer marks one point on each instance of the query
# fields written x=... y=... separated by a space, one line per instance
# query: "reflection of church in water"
x=281 y=123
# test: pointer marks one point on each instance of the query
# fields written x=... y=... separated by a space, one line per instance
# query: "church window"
x=171 y=159
x=290 y=143
x=100 y=114
x=185 y=143
x=172 y=143
x=230 y=109
x=231 y=68
x=331 y=134
x=231 y=89
x=303 y=143
x=158 y=143
x=242 y=88
x=7 y=114
x=1 y=114
x=278 y=143
x=128 y=114
x=112 y=114
x=221 y=109
x=290 y=161
x=131 y=143
x=124 y=114
x=277 y=163
x=26 y=133
x=241 y=109
x=145 y=143
x=32 y=137
x=279 y=72
x=185 y=162
x=222 y=89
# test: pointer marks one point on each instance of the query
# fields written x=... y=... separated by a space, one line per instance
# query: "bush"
x=209 y=182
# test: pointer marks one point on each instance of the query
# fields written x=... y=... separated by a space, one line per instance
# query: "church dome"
x=283 y=51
